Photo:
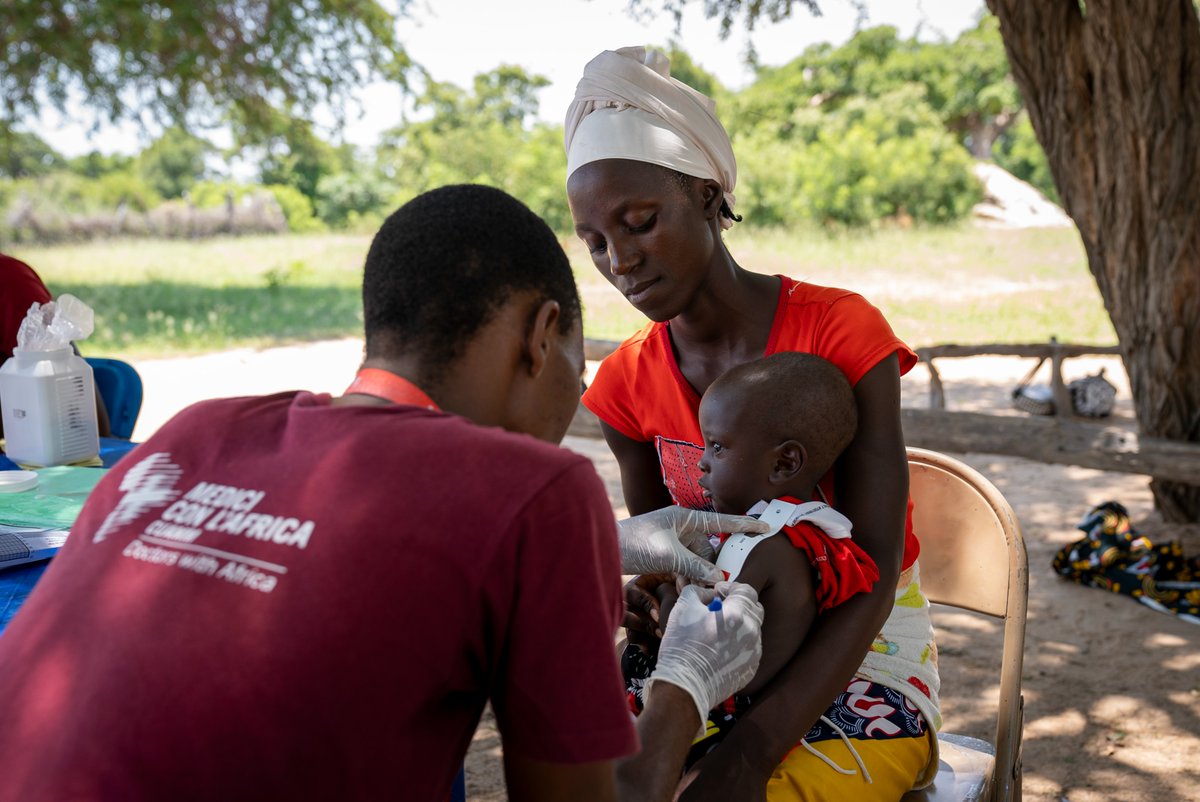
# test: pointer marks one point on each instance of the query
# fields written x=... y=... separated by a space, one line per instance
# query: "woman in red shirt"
x=650 y=182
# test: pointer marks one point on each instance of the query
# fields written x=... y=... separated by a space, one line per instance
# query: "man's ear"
x=790 y=457
x=543 y=326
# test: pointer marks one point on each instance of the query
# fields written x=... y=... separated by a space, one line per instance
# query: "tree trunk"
x=1113 y=92
x=983 y=131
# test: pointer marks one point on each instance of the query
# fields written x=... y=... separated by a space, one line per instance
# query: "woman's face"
x=653 y=238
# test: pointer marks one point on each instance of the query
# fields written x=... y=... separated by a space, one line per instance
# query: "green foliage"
x=293 y=154
x=684 y=68
x=65 y=192
x=965 y=82
x=729 y=10
x=874 y=158
x=507 y=94
x=484 y=136
x=1019 y=152
x=95 y=164
x=344 y=196
x=297 y=209
x=842 y=136
x=23 y=154
x=281 y=276
x=183 y=61
x=174 y=162
x=124 y=189
x=215 y=194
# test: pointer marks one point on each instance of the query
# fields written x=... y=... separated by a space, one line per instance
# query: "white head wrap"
x=627 y=106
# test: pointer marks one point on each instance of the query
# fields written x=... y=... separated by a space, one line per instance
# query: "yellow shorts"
x=890 y=763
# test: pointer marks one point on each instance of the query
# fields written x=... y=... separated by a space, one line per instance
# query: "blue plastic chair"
x=121 y=388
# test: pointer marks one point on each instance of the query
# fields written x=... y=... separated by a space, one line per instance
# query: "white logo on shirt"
x=149 y=484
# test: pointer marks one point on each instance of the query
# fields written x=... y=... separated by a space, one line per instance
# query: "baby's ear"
x=790 y=457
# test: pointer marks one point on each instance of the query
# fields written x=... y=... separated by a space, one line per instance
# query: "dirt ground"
x=1112 y=688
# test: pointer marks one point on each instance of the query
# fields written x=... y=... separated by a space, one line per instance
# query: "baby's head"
x=773 y=427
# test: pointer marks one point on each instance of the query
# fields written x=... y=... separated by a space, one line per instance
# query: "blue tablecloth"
x=15 y=586
x=111 y=451
x=17 y=583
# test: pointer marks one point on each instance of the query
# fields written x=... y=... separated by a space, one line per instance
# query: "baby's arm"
x=783 y=577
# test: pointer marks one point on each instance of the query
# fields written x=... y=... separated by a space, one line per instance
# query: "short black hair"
x=444 y=263
x=797 y=396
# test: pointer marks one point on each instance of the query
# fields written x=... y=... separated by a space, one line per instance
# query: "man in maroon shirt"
x=305 y=597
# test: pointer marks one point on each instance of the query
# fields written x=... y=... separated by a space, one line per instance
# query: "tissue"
x=55 y=324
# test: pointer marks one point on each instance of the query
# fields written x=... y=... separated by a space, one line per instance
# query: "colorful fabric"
x=279 y=597
x=866 y=712
x=832 y=770
x=640 y=391
x=904 y=657
x=1114 y=556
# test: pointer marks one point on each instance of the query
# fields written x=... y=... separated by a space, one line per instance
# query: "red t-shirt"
x=20 y=287
x=316 y=603
x=640 y=391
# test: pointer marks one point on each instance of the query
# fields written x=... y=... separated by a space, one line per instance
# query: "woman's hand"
x=675 y=540
x=644 y=621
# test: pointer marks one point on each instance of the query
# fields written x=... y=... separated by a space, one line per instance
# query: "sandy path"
x=1112 y=689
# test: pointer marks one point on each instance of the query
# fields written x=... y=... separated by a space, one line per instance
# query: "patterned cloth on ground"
x=1113 y=556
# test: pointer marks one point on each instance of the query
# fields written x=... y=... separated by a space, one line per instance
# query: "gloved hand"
x=675 y=540
x=711 y=654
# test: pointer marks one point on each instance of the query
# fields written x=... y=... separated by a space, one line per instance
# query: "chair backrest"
x=121 y=388
x=973 y=557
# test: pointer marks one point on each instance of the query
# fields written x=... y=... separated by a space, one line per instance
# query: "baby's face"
x=738 y=457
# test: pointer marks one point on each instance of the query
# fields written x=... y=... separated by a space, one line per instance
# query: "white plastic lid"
x=16 y=481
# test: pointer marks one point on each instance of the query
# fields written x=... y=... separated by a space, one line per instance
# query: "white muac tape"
x=738 y=545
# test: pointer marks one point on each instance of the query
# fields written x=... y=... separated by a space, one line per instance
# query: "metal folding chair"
x=973 y=558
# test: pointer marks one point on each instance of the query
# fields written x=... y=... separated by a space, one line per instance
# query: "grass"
x=167 y=297
x=967 y=285
x=964 y=285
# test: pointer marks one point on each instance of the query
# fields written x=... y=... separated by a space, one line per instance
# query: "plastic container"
x=48 y=402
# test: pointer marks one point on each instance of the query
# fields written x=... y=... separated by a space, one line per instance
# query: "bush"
x=344 y=194
x=888 y=157
x=216 y=194
x=297 y=209
x=124 y=188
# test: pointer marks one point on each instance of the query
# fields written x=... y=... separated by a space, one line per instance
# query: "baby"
x=772 y=429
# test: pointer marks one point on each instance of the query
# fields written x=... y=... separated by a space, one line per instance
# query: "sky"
x=458 y=39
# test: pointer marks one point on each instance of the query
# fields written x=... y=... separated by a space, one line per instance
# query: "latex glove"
x=711 y=655
x=675 y=540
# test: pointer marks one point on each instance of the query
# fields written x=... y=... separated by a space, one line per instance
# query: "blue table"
x=17 y=583
x=111 y=451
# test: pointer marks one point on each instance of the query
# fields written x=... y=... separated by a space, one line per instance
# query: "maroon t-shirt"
x=20 y=288
x=279 y=598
